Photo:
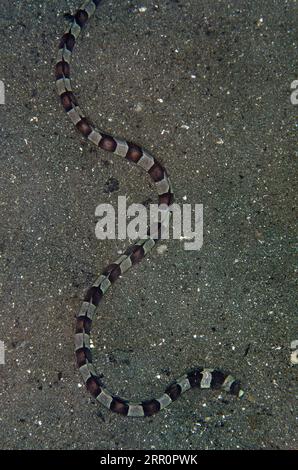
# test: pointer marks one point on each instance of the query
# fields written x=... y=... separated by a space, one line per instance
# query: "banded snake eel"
x=197 y=378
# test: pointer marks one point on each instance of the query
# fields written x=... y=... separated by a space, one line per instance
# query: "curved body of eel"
x=197 y=378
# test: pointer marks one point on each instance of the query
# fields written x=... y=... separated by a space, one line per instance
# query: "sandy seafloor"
x=204 y=85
